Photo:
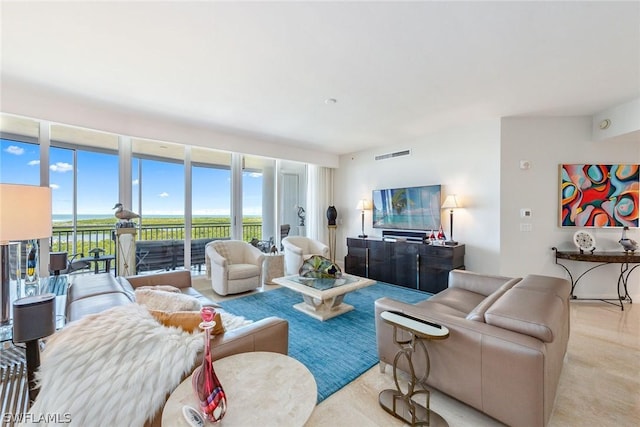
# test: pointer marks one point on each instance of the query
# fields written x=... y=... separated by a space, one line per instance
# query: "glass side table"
x=408 y=406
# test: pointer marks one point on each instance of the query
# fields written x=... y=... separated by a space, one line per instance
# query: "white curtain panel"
x=319 y=198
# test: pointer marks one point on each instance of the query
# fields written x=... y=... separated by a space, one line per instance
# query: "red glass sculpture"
x=206 y=386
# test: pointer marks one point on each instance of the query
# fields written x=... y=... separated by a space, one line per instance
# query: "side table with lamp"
x=25 y=214
x=450 y=203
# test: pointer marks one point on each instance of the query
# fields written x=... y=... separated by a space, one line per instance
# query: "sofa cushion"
x=243 y=271
x=458 y=299
x=561 y=287
x=204 y=301
x=477 y=314
x=528 y=312
x=96 y=284
x=77 y=309
x=155 y=299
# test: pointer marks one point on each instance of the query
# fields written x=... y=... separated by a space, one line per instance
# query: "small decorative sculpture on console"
x=629 y=245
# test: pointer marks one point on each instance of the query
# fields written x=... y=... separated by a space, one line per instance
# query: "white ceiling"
x=397 y=70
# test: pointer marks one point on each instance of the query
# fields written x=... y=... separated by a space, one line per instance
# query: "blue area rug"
x=336 y=351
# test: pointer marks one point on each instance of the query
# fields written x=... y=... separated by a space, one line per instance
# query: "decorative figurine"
x=301 y=215
x=205 y=382
x=629 y=245
x=125 y=216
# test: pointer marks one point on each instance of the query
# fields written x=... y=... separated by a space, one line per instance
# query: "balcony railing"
x=90 y=237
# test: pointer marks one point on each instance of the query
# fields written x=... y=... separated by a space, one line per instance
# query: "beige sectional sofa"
x=508 y=338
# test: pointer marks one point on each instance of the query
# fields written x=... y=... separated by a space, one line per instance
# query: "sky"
x=162 y=182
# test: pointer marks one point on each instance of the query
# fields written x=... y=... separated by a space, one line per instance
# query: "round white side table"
x=262 y=389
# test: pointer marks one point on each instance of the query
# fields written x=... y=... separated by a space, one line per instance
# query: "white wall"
x=465 y=161
x=481 y=164
x=547 y=143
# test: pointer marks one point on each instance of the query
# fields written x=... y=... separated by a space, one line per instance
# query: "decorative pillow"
x=167 y=301
x=186 y=320
x=167 y=288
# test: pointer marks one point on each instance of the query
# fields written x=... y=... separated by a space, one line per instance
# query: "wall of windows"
x=184 y=193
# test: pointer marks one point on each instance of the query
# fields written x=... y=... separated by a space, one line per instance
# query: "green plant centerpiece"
x=319 y=267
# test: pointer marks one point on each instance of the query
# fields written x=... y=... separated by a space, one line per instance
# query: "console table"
x=412 y=265
x=406 y=406
x=625 y=259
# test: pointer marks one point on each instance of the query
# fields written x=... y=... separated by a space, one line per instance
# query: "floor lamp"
x=25 y=214
x=363 y=205
x=450 y=203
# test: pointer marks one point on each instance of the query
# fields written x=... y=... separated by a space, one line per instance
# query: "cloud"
x=54 y=186
x=61 y=167
x=135 y=182
x=12 y=149
x=163 y=194
x=255 y=175
x=34 y=163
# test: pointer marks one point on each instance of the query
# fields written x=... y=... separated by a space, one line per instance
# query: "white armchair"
x=233 y=266
x=299 y=248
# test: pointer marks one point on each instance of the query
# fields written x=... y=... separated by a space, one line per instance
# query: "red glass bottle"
x=206 y=385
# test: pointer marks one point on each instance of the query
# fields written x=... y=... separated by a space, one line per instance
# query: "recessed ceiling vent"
x=393 y=155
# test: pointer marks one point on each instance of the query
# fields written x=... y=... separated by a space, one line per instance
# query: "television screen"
x=411 y=208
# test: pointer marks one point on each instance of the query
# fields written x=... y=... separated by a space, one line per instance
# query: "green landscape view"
x=97 y=232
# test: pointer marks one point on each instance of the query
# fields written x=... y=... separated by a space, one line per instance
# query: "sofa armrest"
x=269 y=334
x=288 y=246
x=254 y=255
x=178 y=278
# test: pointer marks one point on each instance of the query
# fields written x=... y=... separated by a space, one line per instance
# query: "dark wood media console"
x=408 y=264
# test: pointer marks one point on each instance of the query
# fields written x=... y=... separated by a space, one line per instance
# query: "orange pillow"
x=186 y=320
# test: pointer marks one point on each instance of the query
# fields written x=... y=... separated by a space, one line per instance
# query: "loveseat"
x=508 y=338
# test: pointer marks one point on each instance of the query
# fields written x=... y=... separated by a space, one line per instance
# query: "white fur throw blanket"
x=114 y=368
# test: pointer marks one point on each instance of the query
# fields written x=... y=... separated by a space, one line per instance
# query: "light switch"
x=526 y=227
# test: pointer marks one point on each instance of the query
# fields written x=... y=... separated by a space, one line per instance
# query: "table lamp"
x=450 y=203
x=25 y=214
x=363 y=205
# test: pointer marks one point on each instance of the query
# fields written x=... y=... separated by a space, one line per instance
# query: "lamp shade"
x=450 y=202
x=364 y=205
x=25 y=212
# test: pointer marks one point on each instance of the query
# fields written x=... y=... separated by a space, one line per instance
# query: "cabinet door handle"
x=366 y=262
x=418 y=271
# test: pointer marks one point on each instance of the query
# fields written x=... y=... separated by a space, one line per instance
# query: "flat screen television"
x=409 y=208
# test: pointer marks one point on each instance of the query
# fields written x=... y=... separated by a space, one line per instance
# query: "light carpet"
x=337 y=350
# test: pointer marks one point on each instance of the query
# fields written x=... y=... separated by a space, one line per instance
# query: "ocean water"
x=66 y=217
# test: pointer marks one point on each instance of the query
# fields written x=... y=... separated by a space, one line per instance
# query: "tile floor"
x=599 y=385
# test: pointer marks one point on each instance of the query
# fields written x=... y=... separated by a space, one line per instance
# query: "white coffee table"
x=262 y=389
x=323 y=297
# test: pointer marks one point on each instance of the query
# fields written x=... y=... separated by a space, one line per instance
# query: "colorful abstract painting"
x=599 y=195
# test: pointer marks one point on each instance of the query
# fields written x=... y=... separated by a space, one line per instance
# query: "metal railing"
x=89 y=237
